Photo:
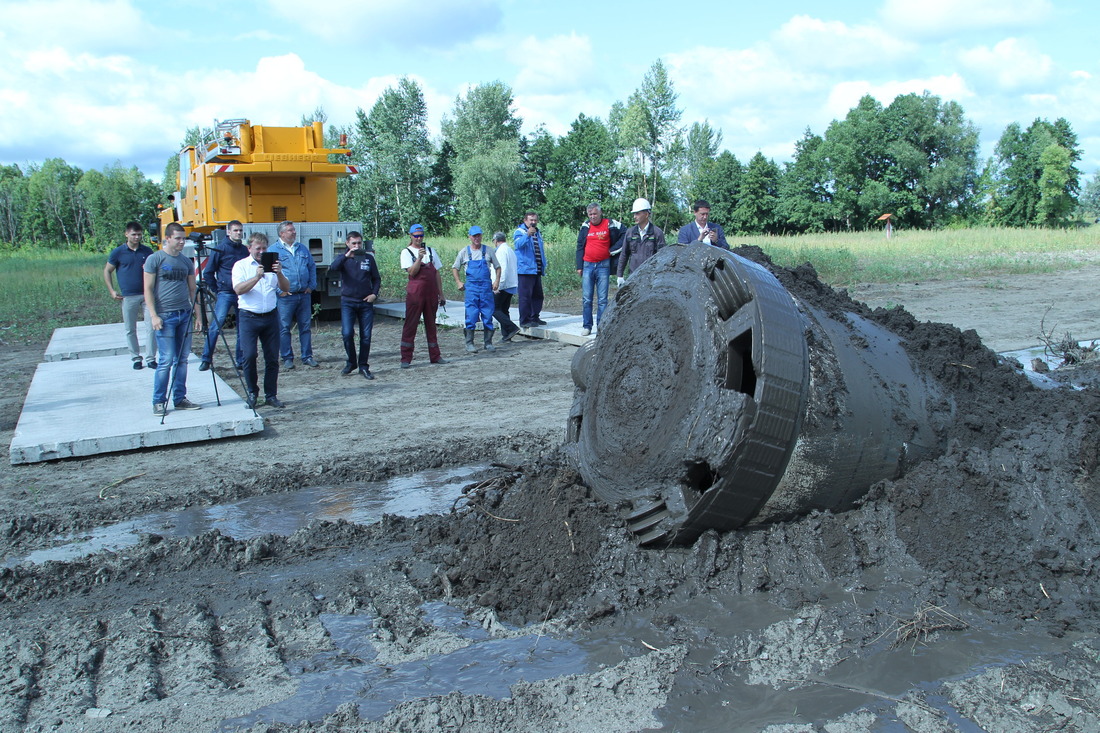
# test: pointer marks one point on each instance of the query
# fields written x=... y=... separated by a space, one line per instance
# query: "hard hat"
x=640 y=205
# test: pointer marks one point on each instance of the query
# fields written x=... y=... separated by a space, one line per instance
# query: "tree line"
x=916 y=158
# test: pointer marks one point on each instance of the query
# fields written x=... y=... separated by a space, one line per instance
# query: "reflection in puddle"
x=411 y=495
x=484 y=666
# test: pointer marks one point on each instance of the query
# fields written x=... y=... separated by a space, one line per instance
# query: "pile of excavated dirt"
x=960 y=596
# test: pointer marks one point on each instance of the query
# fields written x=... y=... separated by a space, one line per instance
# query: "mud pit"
x=960 y=597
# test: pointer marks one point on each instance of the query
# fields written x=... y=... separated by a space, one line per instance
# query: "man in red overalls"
x=423 y=295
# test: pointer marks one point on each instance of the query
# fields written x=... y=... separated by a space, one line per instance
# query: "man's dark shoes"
x=348 y=369
x=508 y=336
x=204 y=366
x=288 y=365
x=251 y=400
x=273 y=401
x=540 y=322
x=310 y=362
x=366 y=374
x=152 y=363
x=138 y=364
x=186 y=404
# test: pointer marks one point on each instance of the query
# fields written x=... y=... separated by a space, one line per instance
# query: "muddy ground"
x=959 y=597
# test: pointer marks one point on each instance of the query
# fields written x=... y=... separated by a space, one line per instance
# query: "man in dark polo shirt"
x=127 y=261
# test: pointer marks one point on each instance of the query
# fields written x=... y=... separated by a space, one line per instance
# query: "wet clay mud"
x=959 y=595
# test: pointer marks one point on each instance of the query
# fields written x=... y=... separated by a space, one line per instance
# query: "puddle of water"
x=426 y=492
x=484 y=667
x=1024 y=356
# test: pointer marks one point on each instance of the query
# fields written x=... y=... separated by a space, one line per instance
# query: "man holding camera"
x=360 y=283
x=258 y=285
x=169 y=292
x=702 y=229
x=218 y=276
x=423 y=296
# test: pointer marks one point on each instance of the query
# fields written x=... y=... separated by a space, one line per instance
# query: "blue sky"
x=95 y=81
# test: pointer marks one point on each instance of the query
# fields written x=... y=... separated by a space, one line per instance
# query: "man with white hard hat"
x=640 y=242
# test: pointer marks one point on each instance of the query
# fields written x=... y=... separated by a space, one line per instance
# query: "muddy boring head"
x=715 y=398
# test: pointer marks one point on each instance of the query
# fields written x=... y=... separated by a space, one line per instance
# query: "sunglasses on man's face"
x=418 y=236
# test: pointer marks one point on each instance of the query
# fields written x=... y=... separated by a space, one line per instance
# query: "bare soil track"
x=961 y=596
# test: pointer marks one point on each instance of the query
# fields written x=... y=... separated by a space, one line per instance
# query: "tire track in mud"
x=244 y=621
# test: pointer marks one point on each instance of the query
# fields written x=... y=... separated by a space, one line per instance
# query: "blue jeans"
x=293 y=309
x=221 y=309
x=174 y=346
x=354 y=312
x=597 y=275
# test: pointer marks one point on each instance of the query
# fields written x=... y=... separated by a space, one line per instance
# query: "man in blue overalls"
x=479 y=287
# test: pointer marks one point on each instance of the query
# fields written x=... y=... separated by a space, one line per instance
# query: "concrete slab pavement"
x=82 y=407
x=89 y=342
x=559 y=326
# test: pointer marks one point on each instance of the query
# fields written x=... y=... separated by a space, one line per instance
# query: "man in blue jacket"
x=295 y=307
x=530 y=266
x=218 y=276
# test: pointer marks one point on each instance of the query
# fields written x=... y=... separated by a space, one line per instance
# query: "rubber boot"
x=469 y=332
x=489 y=340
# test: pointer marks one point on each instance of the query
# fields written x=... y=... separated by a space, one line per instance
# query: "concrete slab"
x=89 y=342
x=84 y=407
x=559 y=326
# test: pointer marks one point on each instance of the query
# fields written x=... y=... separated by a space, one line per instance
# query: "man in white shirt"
x=258 y=290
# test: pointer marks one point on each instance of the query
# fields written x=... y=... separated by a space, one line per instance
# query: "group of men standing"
x=272 y=294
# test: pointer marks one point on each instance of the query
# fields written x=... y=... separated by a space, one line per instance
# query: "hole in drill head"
x=699 y=476
x=740 y=374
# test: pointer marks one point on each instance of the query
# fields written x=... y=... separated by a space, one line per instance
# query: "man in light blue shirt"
x=296 y=307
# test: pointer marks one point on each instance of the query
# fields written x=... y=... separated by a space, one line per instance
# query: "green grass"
x=46 y=289
x=914 y=256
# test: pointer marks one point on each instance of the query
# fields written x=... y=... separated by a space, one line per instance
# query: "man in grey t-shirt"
x=169 y=292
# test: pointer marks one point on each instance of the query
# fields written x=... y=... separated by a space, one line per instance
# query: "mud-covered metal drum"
x=712 y=398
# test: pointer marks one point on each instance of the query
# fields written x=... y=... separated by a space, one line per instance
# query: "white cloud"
x=91 y=110
x=1011 y=64
x=559 y=64
x=435 y=23
x=98 y=26
x=845 y=95
x=831 y=44
x=943 y=18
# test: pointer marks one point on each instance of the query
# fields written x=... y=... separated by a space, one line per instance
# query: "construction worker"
x=640 y=242
x=423 y=296
x=482 y=280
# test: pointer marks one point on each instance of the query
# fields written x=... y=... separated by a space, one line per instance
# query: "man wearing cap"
x=482 y=279
x=597 y=243
x=423 y=295
x=530 y=265
x=702 y=229
x=502 y=298
x=640 y=242
x=296 y=307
